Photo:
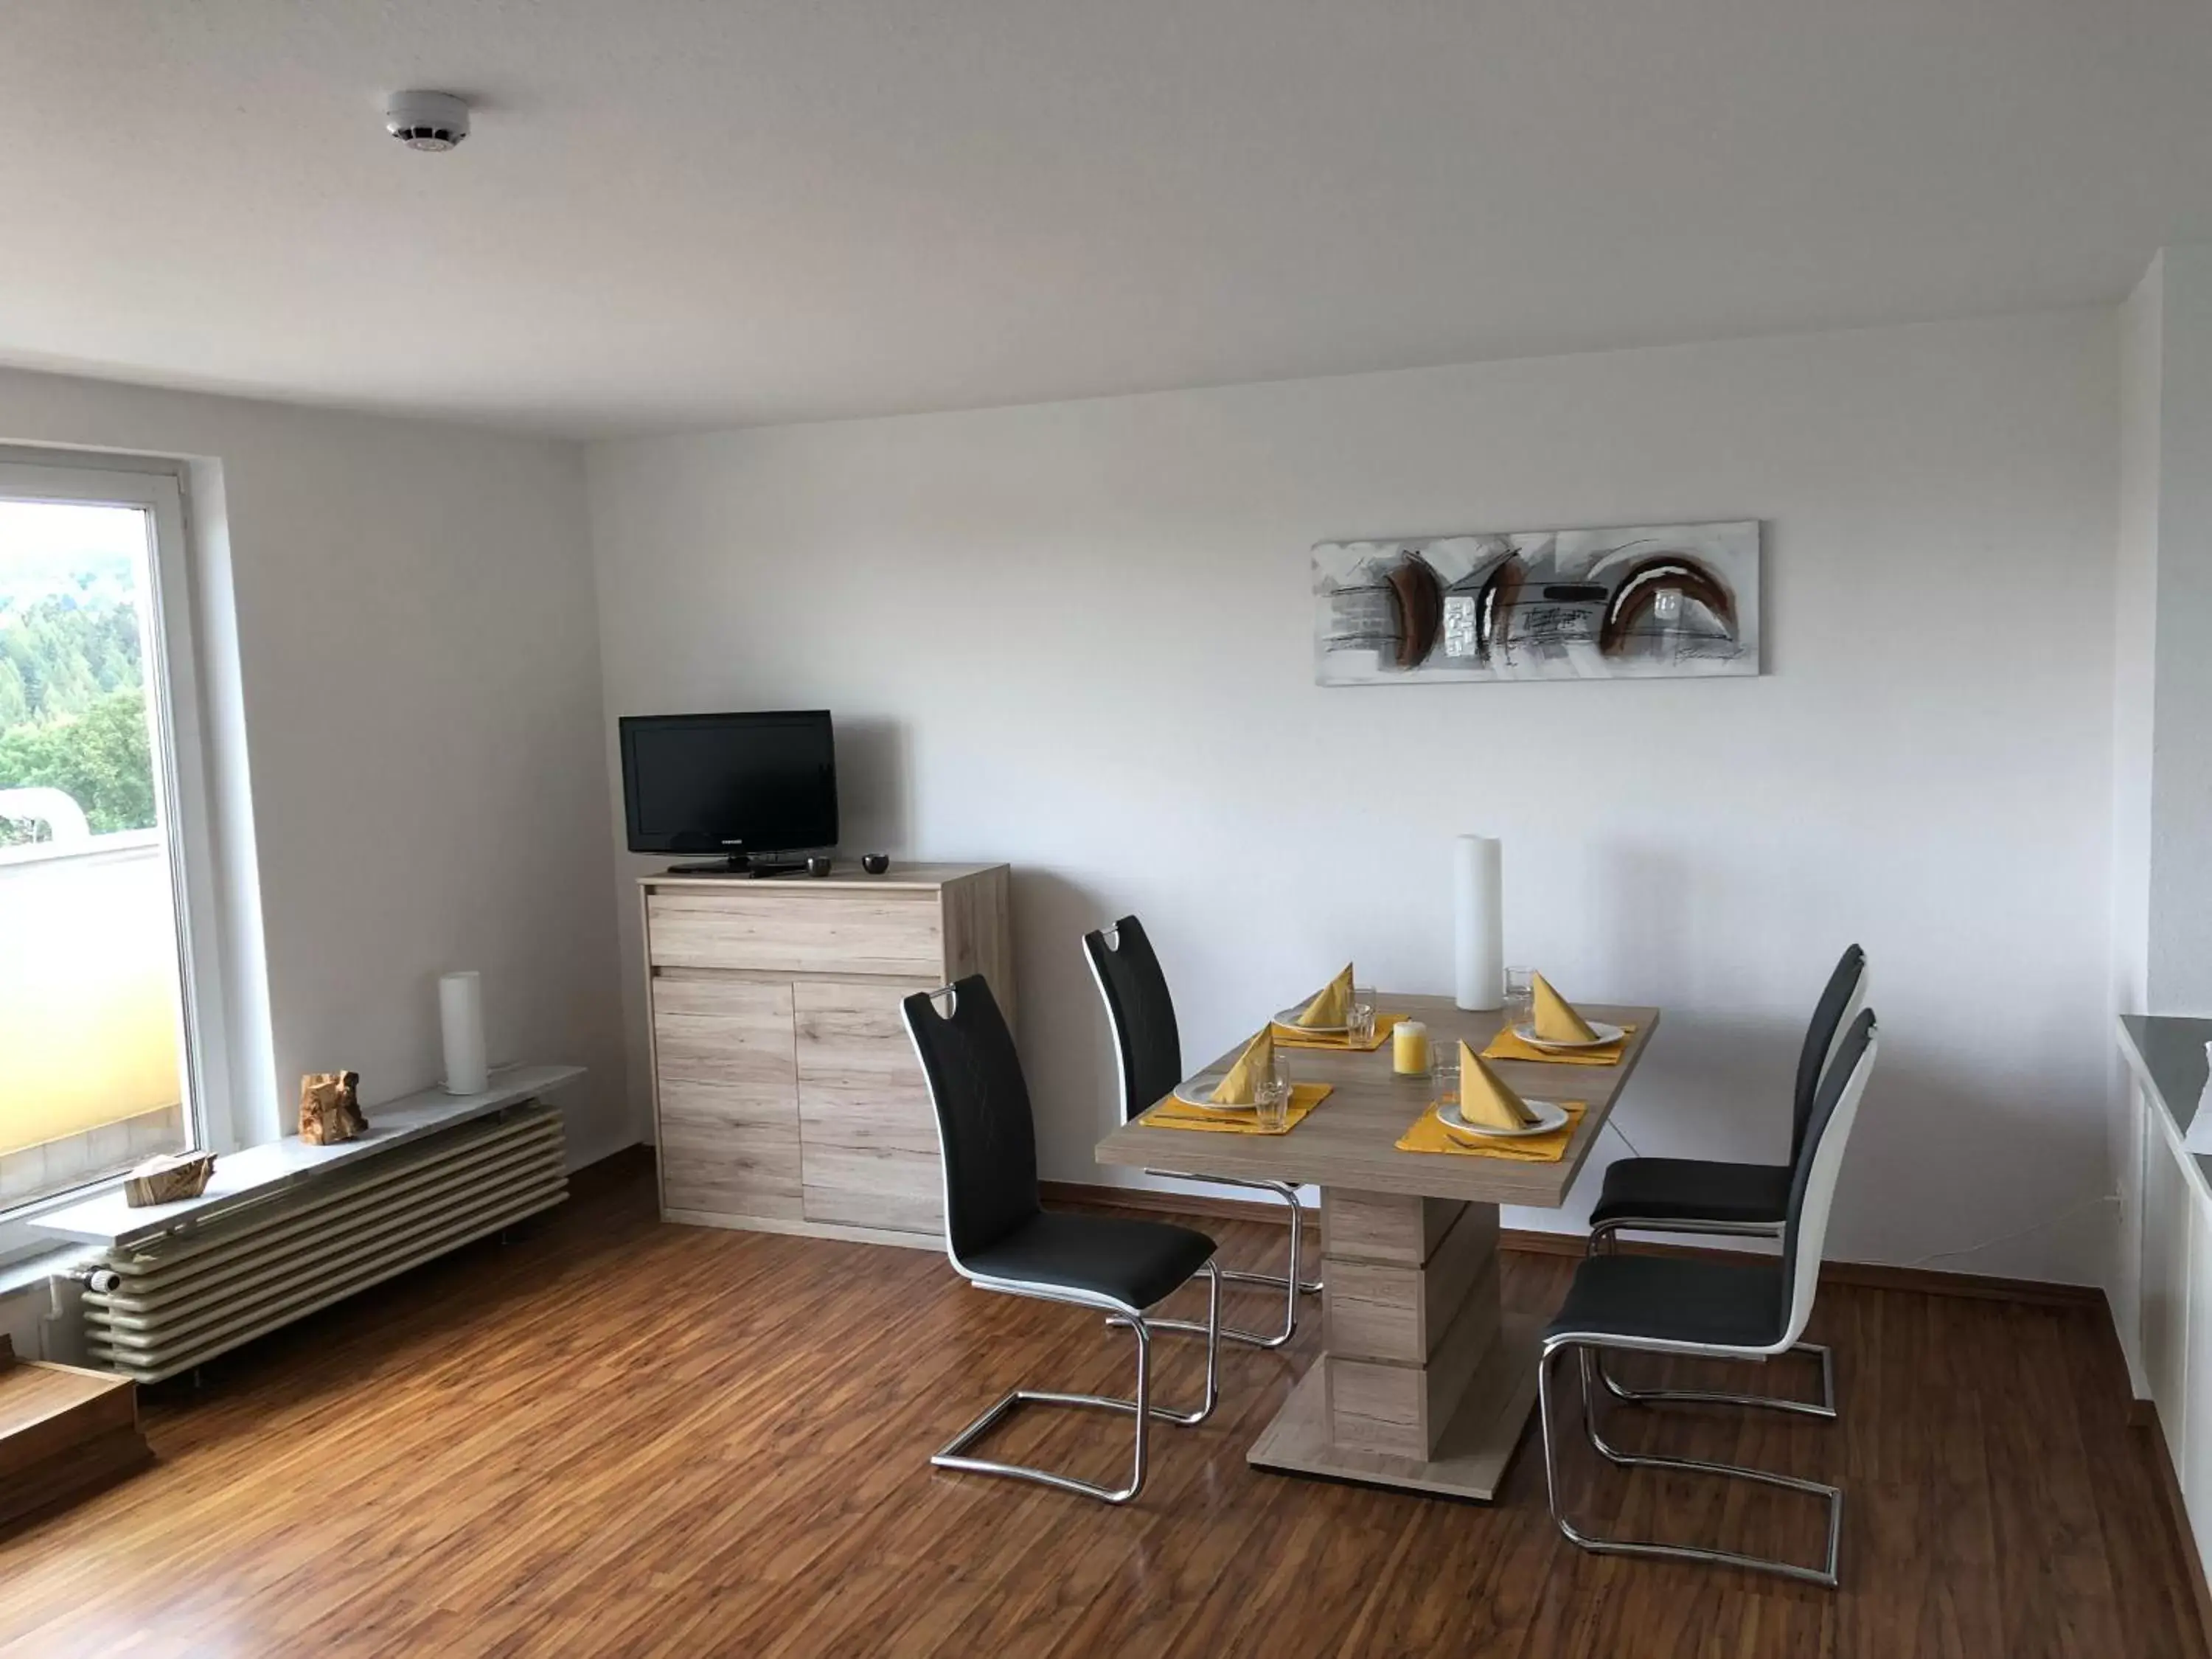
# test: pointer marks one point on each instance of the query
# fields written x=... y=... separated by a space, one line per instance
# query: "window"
x=104 y=1039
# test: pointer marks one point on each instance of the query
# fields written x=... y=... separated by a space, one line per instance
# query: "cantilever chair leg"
x=1824 y=1408
x=1281 y=1282
x=1289 y=1193
x=1825 y=1574
x=954 y=1455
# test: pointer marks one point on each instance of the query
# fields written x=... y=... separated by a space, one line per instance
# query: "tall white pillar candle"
x=460 y=1016
x=1478 y=923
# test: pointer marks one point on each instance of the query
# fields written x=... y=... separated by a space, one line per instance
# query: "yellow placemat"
x=1172 y=1114
x=1429 y=1134
x=1292 y=1036
x=1506 y=1046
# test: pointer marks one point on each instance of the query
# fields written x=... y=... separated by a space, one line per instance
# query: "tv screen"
x=730 y=783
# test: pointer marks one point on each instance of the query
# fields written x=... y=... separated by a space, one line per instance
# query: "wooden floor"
x=617 y=1437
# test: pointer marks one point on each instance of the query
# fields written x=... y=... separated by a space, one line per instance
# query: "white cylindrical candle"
x=461 y=1016
x=1478 y=923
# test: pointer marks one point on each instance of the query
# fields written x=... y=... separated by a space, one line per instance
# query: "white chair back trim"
x=1853 y=1006
x=1820 y=1196
x=1113 y=936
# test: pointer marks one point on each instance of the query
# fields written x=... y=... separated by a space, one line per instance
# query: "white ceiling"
x=701 y=212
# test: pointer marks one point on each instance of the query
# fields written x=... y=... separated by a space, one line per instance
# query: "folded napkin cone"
x=1556 y=1019
x=1333 y=1007
x=1256 y=1062
x=1485 y=1100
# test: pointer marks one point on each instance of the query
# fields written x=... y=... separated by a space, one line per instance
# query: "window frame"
x=184 y=789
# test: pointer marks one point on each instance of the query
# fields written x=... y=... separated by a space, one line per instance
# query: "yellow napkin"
x=1429 y=1134
x=1556 y=1019
x=1506 y=1046
x=1485 y=1099
x=1257 y=1060
x=1334 y=1005
x=1290 y=1036
x=1172 y=1114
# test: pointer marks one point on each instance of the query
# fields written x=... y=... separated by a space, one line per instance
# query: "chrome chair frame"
x=1290 y=1284
x=1289 y=1194
x=1591 y=1353
x=953 y=1455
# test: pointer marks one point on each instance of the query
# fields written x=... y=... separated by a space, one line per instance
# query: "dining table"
x=1425 y=1381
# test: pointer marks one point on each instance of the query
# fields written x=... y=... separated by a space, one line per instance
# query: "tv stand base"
x=741 y=868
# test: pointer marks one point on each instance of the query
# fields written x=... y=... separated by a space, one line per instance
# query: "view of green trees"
x=73 y=708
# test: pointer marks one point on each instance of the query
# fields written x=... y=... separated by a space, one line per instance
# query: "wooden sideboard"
x=785 y=1093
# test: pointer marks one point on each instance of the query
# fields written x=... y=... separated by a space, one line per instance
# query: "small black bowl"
x=875 y=863
x=819 y=863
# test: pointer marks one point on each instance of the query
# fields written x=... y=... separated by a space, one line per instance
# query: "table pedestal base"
x=1469 y=1461
x=1426 y=1382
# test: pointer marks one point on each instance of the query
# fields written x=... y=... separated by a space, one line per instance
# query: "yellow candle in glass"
x=1409 y=1048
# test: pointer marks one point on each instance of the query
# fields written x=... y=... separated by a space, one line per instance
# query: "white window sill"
x=32 y=1272
x=20 y=1242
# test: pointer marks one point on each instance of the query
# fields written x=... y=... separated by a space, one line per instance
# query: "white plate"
x=1195 y=1093
x=1550 y=1115
x=1288 y=1019
x=1606 y=1034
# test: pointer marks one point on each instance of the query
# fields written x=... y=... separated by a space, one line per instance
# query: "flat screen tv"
x=742 y=786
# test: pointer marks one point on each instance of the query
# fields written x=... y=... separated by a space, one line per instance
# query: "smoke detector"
x=426 y=120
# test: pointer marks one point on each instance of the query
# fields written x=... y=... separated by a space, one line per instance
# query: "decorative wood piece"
x=166 y=1180
x=329 y=1109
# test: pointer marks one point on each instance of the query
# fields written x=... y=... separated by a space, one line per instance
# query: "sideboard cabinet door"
x=867 y=1133
x=729 y=1097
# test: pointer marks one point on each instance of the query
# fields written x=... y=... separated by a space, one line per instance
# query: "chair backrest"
x=1138 y=1007
x=1813 y=1186
x=1840 y=1001
x=984 y=1133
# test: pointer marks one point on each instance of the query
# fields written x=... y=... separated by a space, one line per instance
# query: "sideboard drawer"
x=890 y=933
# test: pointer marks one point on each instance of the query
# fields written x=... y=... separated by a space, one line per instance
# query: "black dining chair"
x=1000 y=1238
x=1696 y=1306
x=1697 y=1195
x=1149 y=1051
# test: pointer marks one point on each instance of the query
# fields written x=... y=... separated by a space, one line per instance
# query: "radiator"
x=163 y=1306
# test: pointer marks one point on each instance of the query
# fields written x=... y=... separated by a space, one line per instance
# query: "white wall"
x=2135 y=612
x=2135 y=641
x=417 y=688
x=1076 y=637
x=2162 y=693
x=2179 y=966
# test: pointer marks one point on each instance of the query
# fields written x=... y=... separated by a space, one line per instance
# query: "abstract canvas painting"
x=1644 y=601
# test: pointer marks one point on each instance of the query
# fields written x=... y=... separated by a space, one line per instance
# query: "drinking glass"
x=1444 y=1073
x=1359 y=1027
x=1271 y=1105
x=1520 y=997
